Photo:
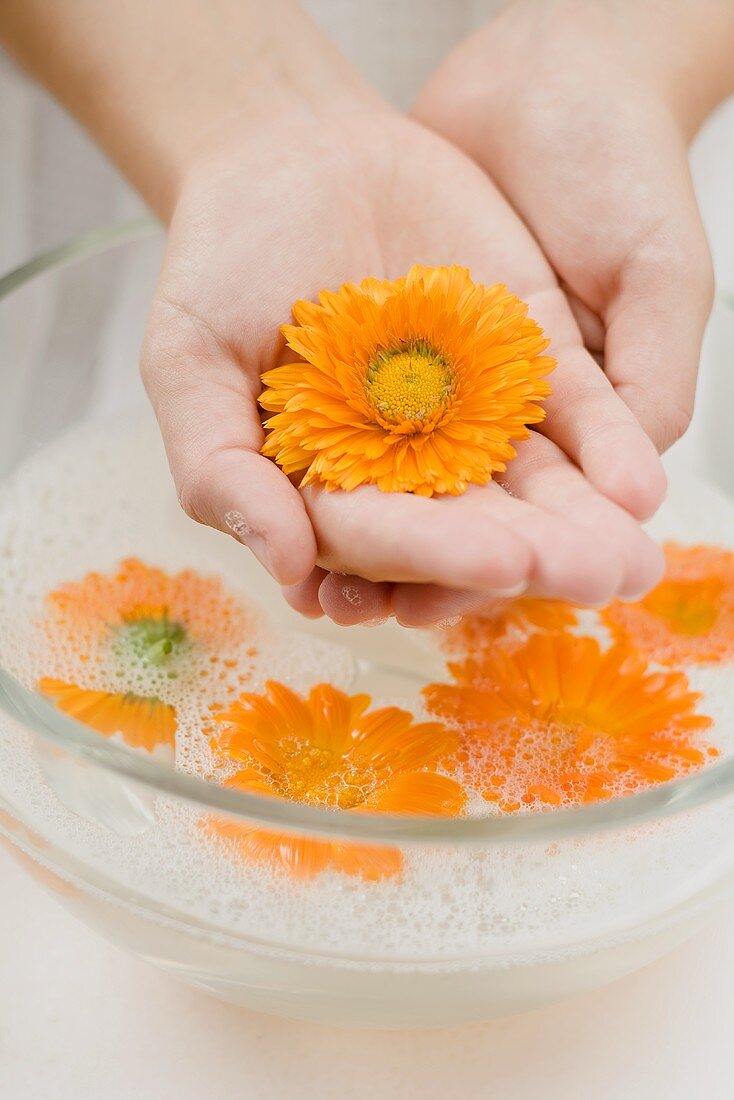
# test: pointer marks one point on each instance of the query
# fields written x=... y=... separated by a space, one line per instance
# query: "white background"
x=80 y=1020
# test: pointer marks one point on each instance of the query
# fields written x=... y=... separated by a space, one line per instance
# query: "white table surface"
x=80 y=1020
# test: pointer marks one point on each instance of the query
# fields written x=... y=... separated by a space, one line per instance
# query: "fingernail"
x=242 y=531
x=259 y=547
x=508 y=593
x=632 y=597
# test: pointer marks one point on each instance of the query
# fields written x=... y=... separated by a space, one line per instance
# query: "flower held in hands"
x=416 y=385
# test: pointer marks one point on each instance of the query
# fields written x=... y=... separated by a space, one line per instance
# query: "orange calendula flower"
x=328 y=750
x=560 y=721
x=417 y=385
x=689 y=617
x=143 y=723
x=507 y=620
x=150 y=617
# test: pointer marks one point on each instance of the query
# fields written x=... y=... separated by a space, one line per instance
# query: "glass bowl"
x=492 y=915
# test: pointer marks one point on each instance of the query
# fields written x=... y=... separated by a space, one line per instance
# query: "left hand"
x=580 y=112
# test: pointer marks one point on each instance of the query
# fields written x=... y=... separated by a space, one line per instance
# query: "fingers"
x=570 y=562
x=591 y=423
x=401 y=537
x=585 y=548
x=420 y=605
x=655 y=325
x=303 y=597
x=349 y=600
x=547 y=481
x=246 y=496
x=581 y=547
x=207 y=412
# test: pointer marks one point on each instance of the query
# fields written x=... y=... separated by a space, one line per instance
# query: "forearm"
x=684 y=47
x=158 y=81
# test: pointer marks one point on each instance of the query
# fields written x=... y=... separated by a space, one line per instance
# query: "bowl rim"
x=36 y=714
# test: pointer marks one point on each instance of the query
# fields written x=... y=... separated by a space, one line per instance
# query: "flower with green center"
x=153 y=641
x=145 y=618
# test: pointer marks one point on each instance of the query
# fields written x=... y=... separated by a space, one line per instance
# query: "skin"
x=570 y=88
x=280 y=173
x=376 y=212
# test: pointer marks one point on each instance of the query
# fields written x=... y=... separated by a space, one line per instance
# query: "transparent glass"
x=492 y=915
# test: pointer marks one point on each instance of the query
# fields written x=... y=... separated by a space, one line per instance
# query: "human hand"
x=312 y=202
x=580 y=112
x=283 y=174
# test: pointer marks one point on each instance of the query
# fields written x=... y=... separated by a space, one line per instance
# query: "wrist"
x=292 y=82
x=160 y=84
x=678 y=50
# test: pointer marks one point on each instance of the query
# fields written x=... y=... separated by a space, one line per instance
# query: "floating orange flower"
x=507 y=620
x=559 y=721
x=327 y=750
x=143 y=723
x=151 y=617
x=689 y=617
x=416 y=385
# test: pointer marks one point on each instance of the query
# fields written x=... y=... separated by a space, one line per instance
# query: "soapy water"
x=352 y=595
x=238 y=525
x=100 y=496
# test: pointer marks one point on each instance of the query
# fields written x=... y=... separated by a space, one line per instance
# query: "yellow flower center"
x=690 y=607
x=577 y=727
x=409 y=383
x=314 y=775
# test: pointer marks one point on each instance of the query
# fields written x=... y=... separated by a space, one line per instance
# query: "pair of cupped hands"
x=543 y=154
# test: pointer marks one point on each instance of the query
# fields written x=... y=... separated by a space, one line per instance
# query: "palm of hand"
x=369 y=194
x=582 y=137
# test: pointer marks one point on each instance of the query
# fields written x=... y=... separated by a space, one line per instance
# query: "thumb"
x=207 y=410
